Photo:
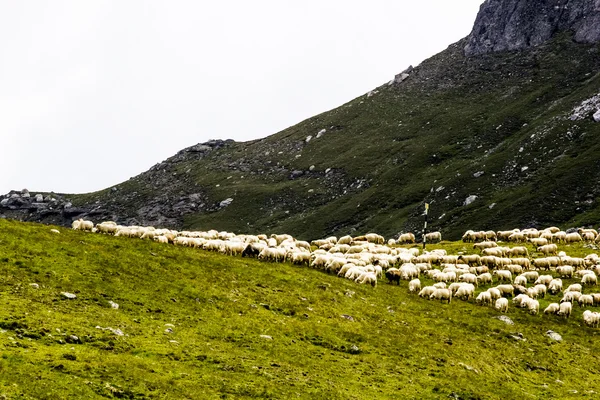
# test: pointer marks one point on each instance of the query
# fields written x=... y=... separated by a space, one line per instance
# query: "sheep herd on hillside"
x=366 y=259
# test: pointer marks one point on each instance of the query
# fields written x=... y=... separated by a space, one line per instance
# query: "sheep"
x=393 y=275
x=484 y=278
x=484 y=298
x=520 y=280
x=596 y=297
x=570 y=297
x=533 y=306
x=161 y=239
x=531 y=275
x=367 y=277
x=565 y=271
x=552 y=308
x=108 y=227
x=406 y=238
x=427 y=291
x=548 y=249
x=516 y=237
x=518 y=289
x=589 y=279
x=82 y=225
x=433 y=237
x=374 y=238
x=503 y=275
x=466 y=291
x=514 y=268
x=539 y=241
x=471 y=259
x=468 y=278
x=518 y=251
x=543 y=280
x=573 y=237
x=520 y=300
x=506 y=290
x=591 y=318
x=576 y=287
x=495 y=294
x=585 y=300
x=408 y=271
x=493 y=251
x=439 y=285
x=555 y=286
x=565 y=309
x=485 y=245
x=414 y=285
x=442 y=295
x=501 y=305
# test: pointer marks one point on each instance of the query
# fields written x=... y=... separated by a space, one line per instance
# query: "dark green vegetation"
x=382 y=156
x=397 y=346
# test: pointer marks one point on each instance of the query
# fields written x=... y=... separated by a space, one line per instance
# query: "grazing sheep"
x=543 y=280
x=520 y=300
x=484 y=278
x=570 y=297
x=565 y=309
x=531 y=275
x=442 y=295
x=576 y=287
x=466 y=291
x=519 y=289
x=548 y=249
x=591 y=318
x=555 y=286
x=367 y=277
x=552 y=308
x=468 y=278
x=589 y=279
x=495 y=294
x=565 y=271
x=485 y=245
x=501 y=305
x=393 y=275
x=433 y=237
x=503 y=275
x=506 y=290
x=520 y=280
x=440 y=285
x=427 y=291
x=484 y=298
x=539 y=241
x=585 y=300
x=533 y=306
x=541 y=289
x=518 y=251
x=406 y=238
x=573 y=237
x=414 y=285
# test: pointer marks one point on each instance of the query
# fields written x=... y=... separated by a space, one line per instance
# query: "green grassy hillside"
x=496 y=126
x=396 y=345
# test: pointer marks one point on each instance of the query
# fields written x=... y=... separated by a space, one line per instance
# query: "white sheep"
x=565 y=271
x=414 y=285
x=533 y=306
x=503 y=275
x=520 y=280
x=565 y=309
x=495 y=294
x=589 y=279
x=466 y=291
x=367 y=277
x=543 y=280
x=552 y=308
x=468 y=278
x=502 y=305
x=427 y=291
x=591 y=318
x=576 y=287
x=484 y=278
x=442 y=295
x=506 y=290
x=585 y=300
x=484 y=298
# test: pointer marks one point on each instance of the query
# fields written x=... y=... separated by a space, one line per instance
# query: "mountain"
x=497 y=131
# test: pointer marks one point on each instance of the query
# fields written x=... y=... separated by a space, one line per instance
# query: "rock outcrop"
x=517 y=24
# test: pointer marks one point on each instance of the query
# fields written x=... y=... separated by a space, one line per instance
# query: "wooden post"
x=425 y=226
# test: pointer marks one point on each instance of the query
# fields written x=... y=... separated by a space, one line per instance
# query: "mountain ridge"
x=494 y=140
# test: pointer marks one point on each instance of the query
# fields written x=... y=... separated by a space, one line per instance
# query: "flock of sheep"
x=366 y=259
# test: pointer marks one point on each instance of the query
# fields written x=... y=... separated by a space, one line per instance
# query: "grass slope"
x=398 y=346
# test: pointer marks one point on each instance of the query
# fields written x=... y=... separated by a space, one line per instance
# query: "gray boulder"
x=503 y=25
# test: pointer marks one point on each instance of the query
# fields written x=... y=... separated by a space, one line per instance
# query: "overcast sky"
x=95 y=92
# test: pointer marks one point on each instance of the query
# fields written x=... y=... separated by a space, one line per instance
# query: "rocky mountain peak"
x=517 y=24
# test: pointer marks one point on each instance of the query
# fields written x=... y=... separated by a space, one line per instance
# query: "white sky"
x=95 y=92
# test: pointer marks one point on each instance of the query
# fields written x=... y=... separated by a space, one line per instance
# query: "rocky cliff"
x=517 y=24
